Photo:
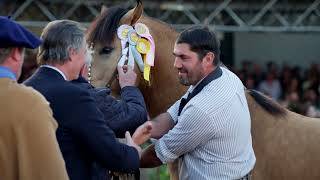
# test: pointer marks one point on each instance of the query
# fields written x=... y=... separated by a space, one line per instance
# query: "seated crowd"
x=296 y=88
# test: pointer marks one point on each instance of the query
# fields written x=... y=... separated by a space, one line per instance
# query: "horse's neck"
x=264 y=122
x=165 y=88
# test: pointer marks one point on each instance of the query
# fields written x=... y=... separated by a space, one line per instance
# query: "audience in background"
x=293 y=87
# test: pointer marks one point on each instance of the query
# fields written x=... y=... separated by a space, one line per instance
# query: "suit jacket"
x=83 y=135
x=126 y=114
x=28 y=144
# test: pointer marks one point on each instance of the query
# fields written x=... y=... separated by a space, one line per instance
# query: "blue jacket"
x=83 y=136
x=126 y=114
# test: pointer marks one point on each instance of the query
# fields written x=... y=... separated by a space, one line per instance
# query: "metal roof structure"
x=220 y=15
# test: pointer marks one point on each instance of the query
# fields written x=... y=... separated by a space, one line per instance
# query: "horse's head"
x=108 y=50
x=102 y=36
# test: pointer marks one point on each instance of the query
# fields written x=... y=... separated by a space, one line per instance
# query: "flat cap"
x=13 y=34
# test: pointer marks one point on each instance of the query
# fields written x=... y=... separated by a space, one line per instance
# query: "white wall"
x=293 y=48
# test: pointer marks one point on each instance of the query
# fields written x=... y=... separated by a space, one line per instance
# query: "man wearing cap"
x=28 y=145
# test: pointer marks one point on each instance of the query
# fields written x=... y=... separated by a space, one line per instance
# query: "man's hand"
x=127 y=77
x=131 y=143
x=142 y=133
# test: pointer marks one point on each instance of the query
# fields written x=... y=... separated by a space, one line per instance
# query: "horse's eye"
x=106 y=50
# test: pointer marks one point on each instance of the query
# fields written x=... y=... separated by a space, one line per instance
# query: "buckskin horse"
x=287 y=145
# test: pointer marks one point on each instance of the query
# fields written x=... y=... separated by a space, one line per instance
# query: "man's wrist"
x=139 y=150
x=128 y=88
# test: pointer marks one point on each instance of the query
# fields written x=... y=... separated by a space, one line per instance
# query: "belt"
x=246 y=177
x=128 y=176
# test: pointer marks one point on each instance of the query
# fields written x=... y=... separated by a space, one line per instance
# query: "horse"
x=286 y=144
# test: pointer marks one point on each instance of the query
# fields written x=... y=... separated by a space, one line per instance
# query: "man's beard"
x=184 y=81
x=191 y=78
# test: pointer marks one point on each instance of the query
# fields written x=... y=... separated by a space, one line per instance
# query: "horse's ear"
x=94 y=22
x=134 y=14
x=103 y=9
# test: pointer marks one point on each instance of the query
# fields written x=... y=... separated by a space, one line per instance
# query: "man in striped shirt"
x=208 y=129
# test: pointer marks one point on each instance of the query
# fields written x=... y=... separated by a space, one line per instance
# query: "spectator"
x=271 y=86
x=28 y=145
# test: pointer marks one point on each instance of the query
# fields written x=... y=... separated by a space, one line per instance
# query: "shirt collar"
x=193 y=87
x=215 y=72
x=56 y=69
x=7 y=73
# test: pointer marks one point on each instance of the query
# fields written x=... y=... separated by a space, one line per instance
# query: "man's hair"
x=58 y=37
x=201 y=41
x=4 y=53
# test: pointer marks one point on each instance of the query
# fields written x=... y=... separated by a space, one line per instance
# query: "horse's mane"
x=267 y=104
x=105 y=26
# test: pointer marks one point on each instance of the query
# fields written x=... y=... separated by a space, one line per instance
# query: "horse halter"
x=91 y=51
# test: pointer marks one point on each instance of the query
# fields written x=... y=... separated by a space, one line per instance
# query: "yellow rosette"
x=143 y=47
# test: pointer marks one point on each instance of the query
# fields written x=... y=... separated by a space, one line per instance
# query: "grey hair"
x=58 y=38
x=88 y=59
x=4 y=53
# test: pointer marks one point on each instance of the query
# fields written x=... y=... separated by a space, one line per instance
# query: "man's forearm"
x=161 y=125
x=149 y=158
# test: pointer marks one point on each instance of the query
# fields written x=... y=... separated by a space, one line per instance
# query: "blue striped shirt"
x=212 y=136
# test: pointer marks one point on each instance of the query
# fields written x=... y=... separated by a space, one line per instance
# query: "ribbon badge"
x=138 y=42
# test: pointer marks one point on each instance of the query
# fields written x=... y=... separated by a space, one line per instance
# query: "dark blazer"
x=126 y=114
x=84 y=138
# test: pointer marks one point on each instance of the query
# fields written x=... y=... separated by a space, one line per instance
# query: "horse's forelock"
x=103 y=29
